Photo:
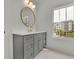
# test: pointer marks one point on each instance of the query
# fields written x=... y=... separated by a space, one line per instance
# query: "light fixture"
x=33 y=6
x=29 y=4
x=27 y=1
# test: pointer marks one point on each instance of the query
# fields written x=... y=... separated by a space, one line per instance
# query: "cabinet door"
x=28 y=46
x=28 y=43
x=44 y=39
x=36 y=49
x=40 y=45
x=40 y=41
x=18 y=52
x=29 y=54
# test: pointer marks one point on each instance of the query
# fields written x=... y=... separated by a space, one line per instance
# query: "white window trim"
x=64 y=6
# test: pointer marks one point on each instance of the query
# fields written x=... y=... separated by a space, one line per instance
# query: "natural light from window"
x=64 y=22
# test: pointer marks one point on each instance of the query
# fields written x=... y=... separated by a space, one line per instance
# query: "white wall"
x=45 y=9
x=12 y=24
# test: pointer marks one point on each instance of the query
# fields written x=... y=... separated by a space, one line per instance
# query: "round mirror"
x=27 y=17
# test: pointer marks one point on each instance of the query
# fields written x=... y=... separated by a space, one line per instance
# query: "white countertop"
x=26 y=33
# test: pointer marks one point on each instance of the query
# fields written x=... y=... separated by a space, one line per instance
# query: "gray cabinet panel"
x=28 y=46
x=40 y=45
x=40 y=42
x=28 y=53
x=28 y=39
x=26 y=57
x=44 y=39
x=36 y=48
x=30 y=56
x=18 y=47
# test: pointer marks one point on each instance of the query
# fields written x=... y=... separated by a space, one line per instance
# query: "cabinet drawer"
x=39 y=36
x=27 y=47
x=27 y=42
x=30 y=51
x=28 y=39
x=28 y=36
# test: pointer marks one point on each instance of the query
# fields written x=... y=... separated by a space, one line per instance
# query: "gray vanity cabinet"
x=28 y=46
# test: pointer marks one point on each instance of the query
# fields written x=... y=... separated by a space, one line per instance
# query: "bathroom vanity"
x=27 y=46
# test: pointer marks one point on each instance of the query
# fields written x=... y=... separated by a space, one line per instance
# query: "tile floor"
x=48 y=54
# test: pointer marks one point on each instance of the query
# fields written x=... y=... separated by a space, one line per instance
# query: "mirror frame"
x=22 y=18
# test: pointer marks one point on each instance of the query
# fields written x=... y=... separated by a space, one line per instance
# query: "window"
x=62 y=14
x=70 y=13
x=56 y=16
x=64 y=22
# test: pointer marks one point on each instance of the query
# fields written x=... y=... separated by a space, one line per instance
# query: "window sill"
x=63 y=38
